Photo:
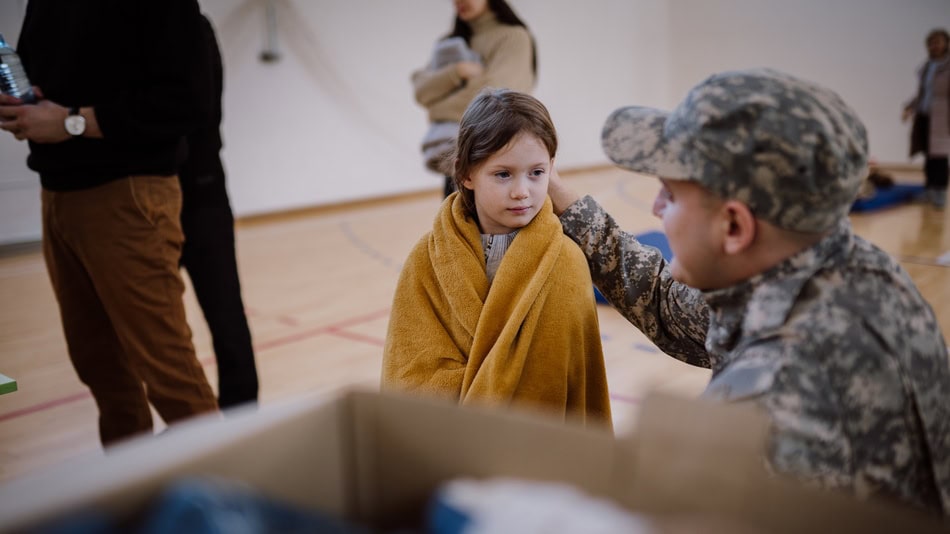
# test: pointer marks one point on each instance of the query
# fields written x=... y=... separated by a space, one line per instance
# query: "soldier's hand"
x=561 y=195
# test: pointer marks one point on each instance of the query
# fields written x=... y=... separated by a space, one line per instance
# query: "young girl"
x=495 y=305
x=506 y=57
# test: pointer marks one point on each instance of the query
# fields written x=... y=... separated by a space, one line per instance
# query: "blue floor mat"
x=654 y=239
x=896 y=194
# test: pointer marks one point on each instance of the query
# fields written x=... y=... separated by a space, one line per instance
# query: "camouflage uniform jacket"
x=836 y=344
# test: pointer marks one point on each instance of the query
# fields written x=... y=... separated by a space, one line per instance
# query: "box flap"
x=411 y=445
x=291 y=451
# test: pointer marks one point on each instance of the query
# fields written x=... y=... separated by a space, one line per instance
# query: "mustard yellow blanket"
x=532 y=340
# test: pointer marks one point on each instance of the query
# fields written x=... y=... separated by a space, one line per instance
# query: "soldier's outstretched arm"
x=637 y=281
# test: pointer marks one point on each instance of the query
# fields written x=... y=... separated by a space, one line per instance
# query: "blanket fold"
x=532 y=339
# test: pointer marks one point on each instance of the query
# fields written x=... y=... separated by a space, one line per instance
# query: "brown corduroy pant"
x=112 y=254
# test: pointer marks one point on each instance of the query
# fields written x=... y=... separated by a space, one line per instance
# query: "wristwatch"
x=75 y=123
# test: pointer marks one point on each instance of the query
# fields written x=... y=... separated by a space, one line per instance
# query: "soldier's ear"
x=741 y=227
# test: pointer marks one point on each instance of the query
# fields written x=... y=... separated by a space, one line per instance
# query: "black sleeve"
x=204 y=142
x=158 y=99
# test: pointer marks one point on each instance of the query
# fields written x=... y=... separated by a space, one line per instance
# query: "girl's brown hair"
x=491 y=121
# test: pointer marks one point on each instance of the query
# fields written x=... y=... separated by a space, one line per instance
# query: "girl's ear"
x=740 y=227
x=467 y=183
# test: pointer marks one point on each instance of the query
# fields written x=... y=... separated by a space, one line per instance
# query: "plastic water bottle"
x=13 y=80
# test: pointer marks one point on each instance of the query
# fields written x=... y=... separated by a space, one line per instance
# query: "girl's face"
x=690 y=224
x=510 y=187
x=469 y=10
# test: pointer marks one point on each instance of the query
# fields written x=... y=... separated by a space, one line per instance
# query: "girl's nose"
x=520 y=190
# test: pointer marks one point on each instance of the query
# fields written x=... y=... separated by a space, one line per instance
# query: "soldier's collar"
x=763 y=302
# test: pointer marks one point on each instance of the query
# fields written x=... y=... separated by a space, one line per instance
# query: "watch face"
x=75 y=124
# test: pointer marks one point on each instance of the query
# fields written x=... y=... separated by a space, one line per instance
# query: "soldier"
x=770 y=288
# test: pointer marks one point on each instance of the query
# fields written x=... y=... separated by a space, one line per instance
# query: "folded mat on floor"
x=890 y=196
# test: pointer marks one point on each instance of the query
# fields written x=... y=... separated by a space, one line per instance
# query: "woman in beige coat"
x=504 y=57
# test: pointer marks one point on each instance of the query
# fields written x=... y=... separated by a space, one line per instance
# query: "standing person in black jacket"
x=208 y=224
x=107 y=136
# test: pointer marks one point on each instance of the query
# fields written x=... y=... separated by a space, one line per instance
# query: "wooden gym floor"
x=318 y=287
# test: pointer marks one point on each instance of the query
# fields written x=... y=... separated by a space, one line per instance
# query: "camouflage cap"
x=792 y=151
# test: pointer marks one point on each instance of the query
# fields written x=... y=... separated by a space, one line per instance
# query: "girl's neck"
x=494 y=246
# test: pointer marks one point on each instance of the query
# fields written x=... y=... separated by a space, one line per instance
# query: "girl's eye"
x=538 y=172
x=503 y=174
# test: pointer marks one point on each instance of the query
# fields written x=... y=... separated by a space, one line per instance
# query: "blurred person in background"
x=208 y=253
x=489 y=46
x=930 y=109
x=107 y=136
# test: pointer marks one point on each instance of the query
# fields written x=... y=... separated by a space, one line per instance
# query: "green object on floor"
x=7 y=384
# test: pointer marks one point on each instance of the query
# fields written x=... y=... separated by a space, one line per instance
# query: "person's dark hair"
x=937 y=32
x=491 y=121
x=505 y=15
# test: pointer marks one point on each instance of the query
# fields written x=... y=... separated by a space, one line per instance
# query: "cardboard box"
x=376 y=458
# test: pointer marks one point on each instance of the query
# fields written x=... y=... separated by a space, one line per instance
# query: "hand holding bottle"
x=41 y=122
x=13 y=79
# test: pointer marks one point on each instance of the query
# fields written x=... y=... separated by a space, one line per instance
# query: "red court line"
x=321 y=330
x=45 y=405
x=334 y=329
x=625 y=398
x=357 y=337
x=299 y=336
x=289 y=321
x=360 y=319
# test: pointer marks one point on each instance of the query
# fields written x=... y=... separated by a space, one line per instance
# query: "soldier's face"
x=691 y=226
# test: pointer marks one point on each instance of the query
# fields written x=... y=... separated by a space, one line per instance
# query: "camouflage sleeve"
x=636 y=280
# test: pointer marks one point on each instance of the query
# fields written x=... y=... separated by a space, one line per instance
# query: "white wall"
x=19 y=187
x=865 y=50
x=335 y=120
x=595 y=56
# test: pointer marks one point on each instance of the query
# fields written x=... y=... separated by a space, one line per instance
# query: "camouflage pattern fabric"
x=791 y=150
x=836 y=343
x=672 y=315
